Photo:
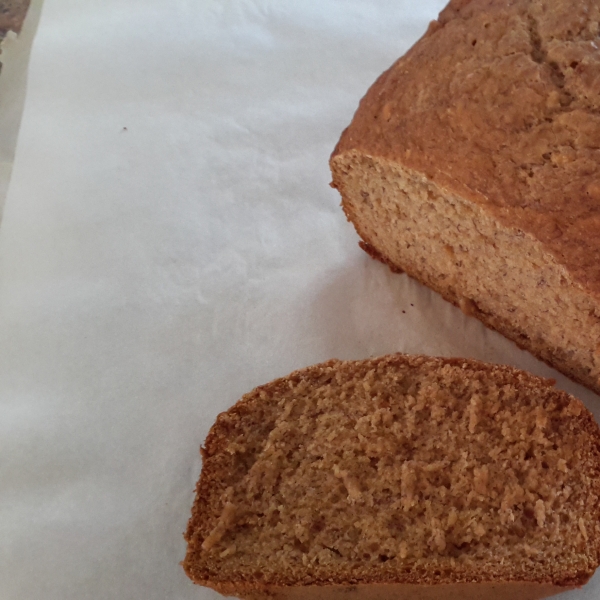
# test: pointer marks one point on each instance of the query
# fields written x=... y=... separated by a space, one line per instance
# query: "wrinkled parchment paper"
x=169 y=242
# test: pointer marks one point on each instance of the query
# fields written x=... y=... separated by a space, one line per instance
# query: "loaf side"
x=404 y=591
x=499 y=274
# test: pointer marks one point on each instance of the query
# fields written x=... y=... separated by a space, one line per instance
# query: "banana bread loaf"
x=399 y=477
x=472 y=165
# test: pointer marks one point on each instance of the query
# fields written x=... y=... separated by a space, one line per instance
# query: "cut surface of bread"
x=401 y=476
x=471 y=164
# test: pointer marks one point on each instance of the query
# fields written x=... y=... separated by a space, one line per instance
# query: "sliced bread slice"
x=401 y=476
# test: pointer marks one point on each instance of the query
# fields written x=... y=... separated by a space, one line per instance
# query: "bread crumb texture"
x=472 y=164
x=400 y=470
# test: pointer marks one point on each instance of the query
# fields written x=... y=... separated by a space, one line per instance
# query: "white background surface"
x=151 y=276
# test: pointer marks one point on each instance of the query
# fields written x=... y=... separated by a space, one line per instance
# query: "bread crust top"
x=499 y=102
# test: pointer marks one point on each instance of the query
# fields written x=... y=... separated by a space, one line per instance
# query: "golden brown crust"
x=224 y=465
x=461 y=591
x=374 y=253
x=499 y=102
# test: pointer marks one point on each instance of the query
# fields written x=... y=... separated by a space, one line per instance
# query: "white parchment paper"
x=169 y=242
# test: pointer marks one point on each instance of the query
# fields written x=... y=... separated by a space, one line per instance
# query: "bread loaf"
x=472 y=165
x=399 y=477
